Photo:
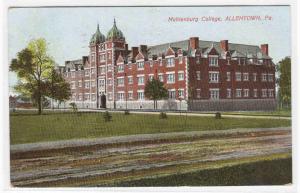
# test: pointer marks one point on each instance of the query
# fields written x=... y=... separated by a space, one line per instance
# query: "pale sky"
x=68 y=30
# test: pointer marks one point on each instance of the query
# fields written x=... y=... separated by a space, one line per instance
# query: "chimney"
x=194 y=42
x=143 y=48
x=135 y=51
x=265 y=49
x=224 y=45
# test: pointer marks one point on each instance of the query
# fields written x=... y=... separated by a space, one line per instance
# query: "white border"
x=4 y=118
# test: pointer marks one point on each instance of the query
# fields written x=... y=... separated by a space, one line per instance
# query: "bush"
x=73 y=107
x=107 y=116
x=218 y=115
x=126 y=112
x=163 y=115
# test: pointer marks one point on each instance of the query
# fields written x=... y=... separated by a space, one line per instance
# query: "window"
x=140 y=65
x=120 y=96
x=73 y=74
x=238 y=93
x=228 y=76
x=180 y=76
x=87 y=84
x=264 y=77
x=109 y=96
x=170 y=62
x=197 y=59
x=255 y=93
x=151 y=63
x=102 y=70
x=213 y=61
x=161 y=77
x=198 y=75
x=254 y=77
x=93 y=57
x=130 y=95
x=140 y=95
x=120 y=81
x=246 y=92
x=270 y=78
x=214 y=94
x=73 y=86
x=79 y=97
x=87 y=96
x=109 y=68
x=160 y=62
x=93 y=71
x=172 y=94
x=101 y=82
x=93 y=83
x=264 y=92
x=79 y=83
x=198 y=92
x=121 y=68
x=245 y=76
x=151 y=76
x=87 y=72
x=238 y=76
x=181 y=93
x=109 y=81
x=213 y=77
x=140 y=80
x=93 y=97
x=73 y=96
x=228 y=93
x=102 y=58
x=130 y=80
x=228 y=61
x=170 y=78
x=271 y=93
x=109 y=55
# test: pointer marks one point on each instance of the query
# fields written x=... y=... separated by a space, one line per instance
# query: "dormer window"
x=121 y=68
x=140 y=65
x=213 y=61
x=170 y=62
x=198 y=59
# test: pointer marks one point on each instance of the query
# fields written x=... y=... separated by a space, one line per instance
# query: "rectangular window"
x=140 y=95
x=254 y=77
x=73 y=85
x=238 y=76
x=213 y=61
x=271 y=93
x=180 y=59
x=151 y=63
x=109 y=81
x=181 y=93
x=87 y=72
x=79 y=83
x=170 y=62
x=109 y=68
x=255 y=93
x=93 y=83
x=246 y=92
x=101 y=82
x=120 y=81
x=213 y=77
x=214 y=94
x=130 y=95
x=87 y=84
x=228 y=93
x=120 y=96
x=151 y=76
x=140 y=65
x=264 y=77
x=73 y=74
x=102 y=58
x=109 y=96
x=93 y=70
x=197 y=59
x=228 y=76
x=79 y=97
x=245 y=76
x=180 y=76
x=121 y=68
x=238 y=93
x=198 y=93
x=102 y=70
x=171 y=78
x=140 y=80
x=271 y=79
x=160 y=62
x=172 y=94
x=93 y=97
x=87 y=96
x=264 y=92
x=198 y=75
x=130 y=80
x=161 y=77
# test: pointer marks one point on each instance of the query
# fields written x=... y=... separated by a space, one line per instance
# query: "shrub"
x=163 y=115
x=218 y=115
x=107 y=116
x=126 y=112
x=73 y=107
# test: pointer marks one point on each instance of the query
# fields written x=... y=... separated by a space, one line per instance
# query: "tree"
x=57 y=88
x=284 y=81
x=155 y=90
x=33 y=67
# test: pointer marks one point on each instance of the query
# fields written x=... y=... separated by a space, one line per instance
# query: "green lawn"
x=27 y=128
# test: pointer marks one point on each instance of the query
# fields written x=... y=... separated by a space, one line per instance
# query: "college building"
x=199 y=75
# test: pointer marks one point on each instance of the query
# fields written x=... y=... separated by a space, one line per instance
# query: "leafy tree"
x=33 y=67
x=57 y=88
x=284 y=81
x=155 y=90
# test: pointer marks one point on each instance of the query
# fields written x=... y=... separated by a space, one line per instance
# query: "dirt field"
x=96 y=164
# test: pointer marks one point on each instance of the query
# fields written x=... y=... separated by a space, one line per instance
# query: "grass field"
x=28 y=128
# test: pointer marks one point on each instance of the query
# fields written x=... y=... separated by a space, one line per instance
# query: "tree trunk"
x=39 y=104
x=154 y=104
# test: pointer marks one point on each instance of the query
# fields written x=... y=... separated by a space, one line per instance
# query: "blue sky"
x=68 y=30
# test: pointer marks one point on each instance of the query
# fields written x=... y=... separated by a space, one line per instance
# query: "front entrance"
x=103 y=101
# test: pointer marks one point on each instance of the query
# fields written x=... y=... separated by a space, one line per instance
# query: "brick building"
x=199 y=75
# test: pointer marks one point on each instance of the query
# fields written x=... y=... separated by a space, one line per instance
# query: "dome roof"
x=97 y=37
x=114 y=33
